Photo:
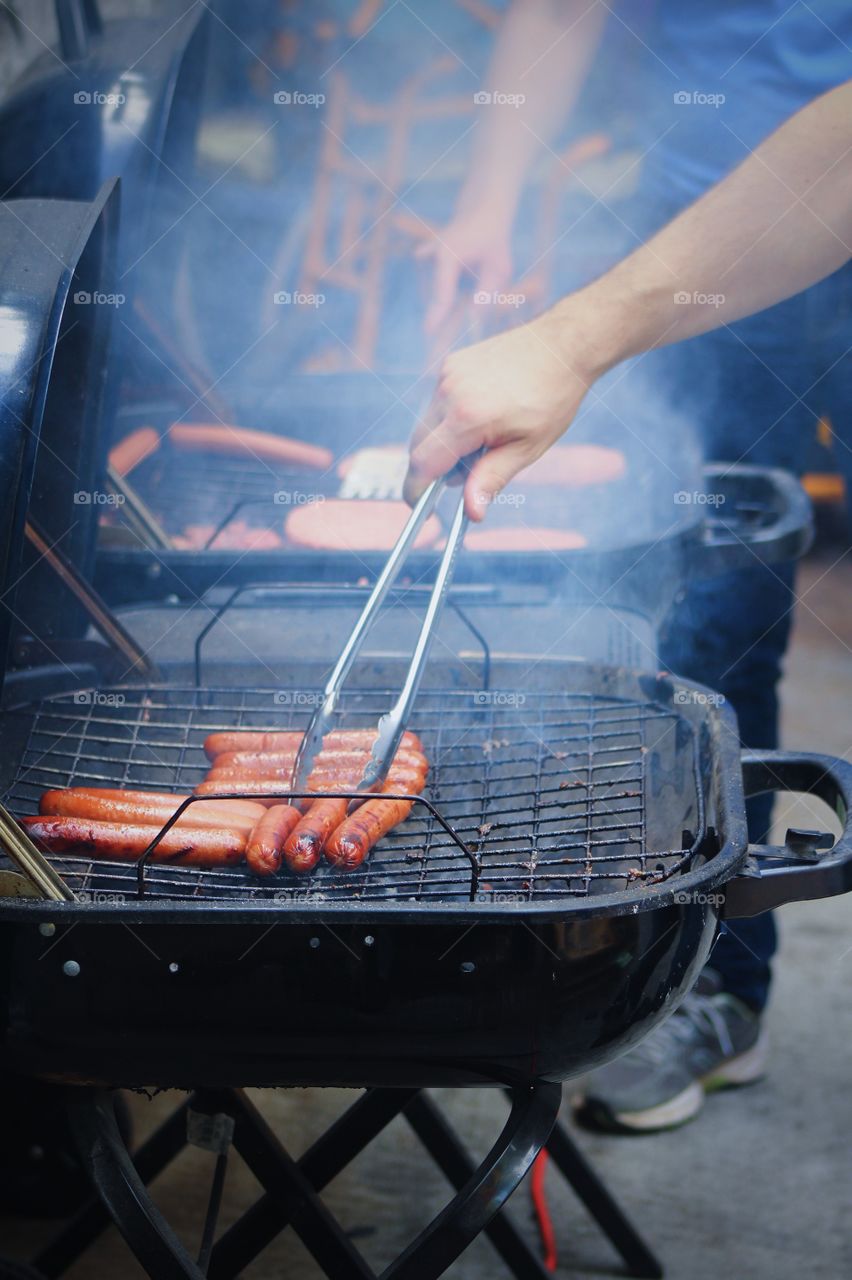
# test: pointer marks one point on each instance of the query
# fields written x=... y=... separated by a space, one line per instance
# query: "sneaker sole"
x=746 y=1068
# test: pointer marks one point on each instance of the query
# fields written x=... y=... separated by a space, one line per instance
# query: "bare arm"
x=544 y=49
x=778 y=223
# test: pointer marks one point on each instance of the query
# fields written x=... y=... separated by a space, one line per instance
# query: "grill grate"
x=560 y=794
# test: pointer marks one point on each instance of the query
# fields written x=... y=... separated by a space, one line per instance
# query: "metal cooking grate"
x=187 y=489
x=561 y=795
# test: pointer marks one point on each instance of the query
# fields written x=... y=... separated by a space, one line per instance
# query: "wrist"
x=586 y=331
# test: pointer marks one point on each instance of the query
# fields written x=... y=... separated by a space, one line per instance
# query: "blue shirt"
x=722 y=76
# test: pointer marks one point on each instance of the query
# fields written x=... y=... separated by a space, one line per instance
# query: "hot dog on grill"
x=125 y=841
x=169 y=799
x=119 y=807
x=267 y=763
x=348 y=846
x=244 y=442
x=265 y=846
x=288 y=739
x=304 y=846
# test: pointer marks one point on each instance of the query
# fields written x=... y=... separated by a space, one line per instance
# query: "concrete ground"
x=758 y=1186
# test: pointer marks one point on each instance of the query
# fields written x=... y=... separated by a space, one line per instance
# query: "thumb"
x=491 y=474
x=447 y=271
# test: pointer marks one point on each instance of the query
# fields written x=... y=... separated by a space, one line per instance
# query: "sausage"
x=261 y=762
x=242 y=442
x=524 y=538
x=355 y=524
x=304 y=846
x=265 y=846
x=276 y=789
x=323 y=778
x=343 y=763
x=348 y=846
x=80 y=804
x=247 y=808
x=288 y=739
x=268 y=790
x=126 y=841
x=133 y=449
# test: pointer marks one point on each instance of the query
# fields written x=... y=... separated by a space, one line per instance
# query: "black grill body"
x=372 y=980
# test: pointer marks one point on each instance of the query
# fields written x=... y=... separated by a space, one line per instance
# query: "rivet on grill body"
x=467 y=966
x=314 y=942
x=47 y=930
x=174 y=967
x=71 y=969
x=369 y=941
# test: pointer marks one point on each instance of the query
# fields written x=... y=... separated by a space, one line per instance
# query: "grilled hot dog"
x=125 y=841
x=265 y=847
x=289 y=739
x=75 y=803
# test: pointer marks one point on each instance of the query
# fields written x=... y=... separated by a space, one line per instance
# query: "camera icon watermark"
x=100 y=898
x=498 y=896
x=95 y=498
x=485 y=98
x=286 y=298
x=695 y=98
x=696 y=697
x=95 y=698
x=85 y=98
x=83 y=298
x=298 y=698
x=699 y=899
x=293 y=498
x=295 y=98
x=697 y=299
x=500 y=499
x=697 y=497
x=484 y=298
x=498 y=698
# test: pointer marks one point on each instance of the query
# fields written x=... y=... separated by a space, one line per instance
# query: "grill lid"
x=56 y=266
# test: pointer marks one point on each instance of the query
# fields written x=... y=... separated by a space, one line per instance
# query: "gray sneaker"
x=713 y=1041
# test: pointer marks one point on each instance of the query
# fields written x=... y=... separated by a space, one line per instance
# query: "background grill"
x=549 y=789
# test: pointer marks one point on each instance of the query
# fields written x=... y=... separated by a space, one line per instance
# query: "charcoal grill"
x=515 y=931
x=583 y=837
x=592 y=835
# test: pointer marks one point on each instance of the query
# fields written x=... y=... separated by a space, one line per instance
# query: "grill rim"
x=695 y=703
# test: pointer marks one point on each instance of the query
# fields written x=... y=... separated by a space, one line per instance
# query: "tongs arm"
x=392 y=724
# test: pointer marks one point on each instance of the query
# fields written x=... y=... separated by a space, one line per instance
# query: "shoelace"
x=697 y=1013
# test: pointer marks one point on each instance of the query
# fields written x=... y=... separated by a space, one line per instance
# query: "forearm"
x=779 y=223
x=543 y=53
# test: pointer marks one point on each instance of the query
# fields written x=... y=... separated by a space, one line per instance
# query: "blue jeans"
x=755 y=392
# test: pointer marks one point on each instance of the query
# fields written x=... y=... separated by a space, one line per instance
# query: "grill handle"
x=805 y=872
x=786 y=536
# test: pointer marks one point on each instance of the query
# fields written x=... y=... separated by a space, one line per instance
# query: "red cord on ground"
x=542 y=1212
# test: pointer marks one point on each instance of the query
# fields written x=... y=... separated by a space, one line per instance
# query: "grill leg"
x=85 y=1227
x=320 y=1233
x=454 y=1162
x=597 y=1198
x=148 y=1234
x=533 y=1114
x=332 y=1152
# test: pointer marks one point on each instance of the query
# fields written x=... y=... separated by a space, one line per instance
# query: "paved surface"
x=758 y=1186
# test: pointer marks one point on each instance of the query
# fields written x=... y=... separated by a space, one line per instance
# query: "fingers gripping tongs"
x=393 y=723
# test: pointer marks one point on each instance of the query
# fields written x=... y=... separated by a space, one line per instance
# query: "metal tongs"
x=393 y=723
